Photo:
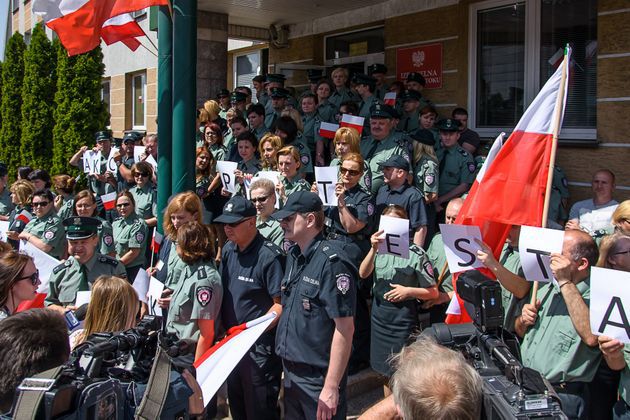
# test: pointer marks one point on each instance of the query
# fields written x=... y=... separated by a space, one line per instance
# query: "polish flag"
x=511 y=186
x=123 y=28
x=214 y=366
x=24 y=216
x=353 y=121
x=328 y=130
x=109 y=200
x=390 y=98
x=156 y=241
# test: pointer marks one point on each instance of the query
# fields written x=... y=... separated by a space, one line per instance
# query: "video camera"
x=510 y=390
x=106 y=376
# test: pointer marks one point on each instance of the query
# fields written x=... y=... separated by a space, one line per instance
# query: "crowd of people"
x=272 y=246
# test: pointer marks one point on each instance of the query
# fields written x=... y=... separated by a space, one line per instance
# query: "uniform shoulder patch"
x=106 y=259
x=62 y=266
x=330 y=253
x=273 y=247
x=463 y=152
x=203 y=295
x=343 y=282
x=202 y=274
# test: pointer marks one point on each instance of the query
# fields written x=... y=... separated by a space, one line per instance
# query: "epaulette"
x=273 y=247
x=331 y=253
x=463 y=152
x=202 y=273
x=62 y=266
x=106 y=259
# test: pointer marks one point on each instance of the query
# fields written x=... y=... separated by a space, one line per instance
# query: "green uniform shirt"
x=260 y=131
x=50 y=230
x=327 y=111
x=66 y=209
x=106 y=237
x=437 y=256
x=175 y=267
x=377 y=151
x=146 y=200
x=306 y=163
x=559 y=190
x=512 y=307
x=131 y=233
x=409 y=122
x=197 y=295
x=342 y=95
x=624 y=382
x=311 y=130
x=6 y=206
x=291 y=186
x=66 y=279
x=427 y=175
x=271 y=230
x=365 y=111
x=218 y=152
x=380 y=91
x=458 y=167
x=552 y=346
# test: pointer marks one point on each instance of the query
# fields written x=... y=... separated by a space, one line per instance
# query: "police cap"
x=279 y=92
x=379 y=110
x=416 y=77
x=448 y=124
x=363 y=79
x=395 y=161
x=299 y=202
x=223 y=93
x=238 y=97
x=131 y=136
x=410 y=95
x=80 y=227
x=424 y=136
x=276 y=78
x=236 y=209
x=103 y=135
x=314 y=75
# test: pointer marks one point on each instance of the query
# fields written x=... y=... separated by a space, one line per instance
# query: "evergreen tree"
x=37 y=96
x=10 y=108
x=79 y=111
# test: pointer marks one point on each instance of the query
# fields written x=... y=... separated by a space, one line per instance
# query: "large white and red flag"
x=218 y=361
x=79 y=23
x=510 y=188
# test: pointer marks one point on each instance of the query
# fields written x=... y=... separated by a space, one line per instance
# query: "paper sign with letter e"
x=396 y=237
x=226 y=169
x=460 y=247
x=155 y=292
x=535 y=247
x=327 y=178
x=610 y=303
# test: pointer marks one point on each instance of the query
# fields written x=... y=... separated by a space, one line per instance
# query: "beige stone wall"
x=117 y=99
x=151 y=100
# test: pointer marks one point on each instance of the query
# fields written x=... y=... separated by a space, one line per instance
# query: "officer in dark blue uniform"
x=251 y=271
x=397 y=190
x=315 y=332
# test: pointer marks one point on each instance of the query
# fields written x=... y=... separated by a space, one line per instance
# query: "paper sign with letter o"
x=396 y=234
x=535 y=246
x=226 y=169
x=326 y=178
x=610 y=303
x=460 y=247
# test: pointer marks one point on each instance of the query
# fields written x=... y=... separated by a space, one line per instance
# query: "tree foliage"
x=11 y=105
x=37 y=95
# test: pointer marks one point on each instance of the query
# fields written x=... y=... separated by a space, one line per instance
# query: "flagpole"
x=554 y=148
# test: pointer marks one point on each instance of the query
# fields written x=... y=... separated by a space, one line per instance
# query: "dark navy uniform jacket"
x=251 y=279
x=318 y=287
x=360 y=204
x=408 y=197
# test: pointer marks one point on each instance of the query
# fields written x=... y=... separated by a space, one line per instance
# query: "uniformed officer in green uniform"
x=457 y=166
x=379 y=72
x=279 y=100
x=45 y=231
x=427 y=168
x=417 y=82
x=98 y=182
x=130 y=234
x=256 y=120
x=411 y=111
x=311 y=123
x=263 y=195
x=382 y=143
x=365 y=86
x=557 y=342
x=83 y=266
x=223 y=97
x=6 y=205
x=342 y=92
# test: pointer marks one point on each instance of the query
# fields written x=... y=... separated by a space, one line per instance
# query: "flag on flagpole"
x=353 y=121
x=109 y=200
x=24 y=217
x=390 y=98
x=156 y=241
x=510 y=188
x=328 y=130
x=123 y=28
x=219 y=360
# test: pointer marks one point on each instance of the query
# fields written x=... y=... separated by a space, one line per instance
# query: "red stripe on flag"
x=36 y=303
x=115 y=33
x=231 y=333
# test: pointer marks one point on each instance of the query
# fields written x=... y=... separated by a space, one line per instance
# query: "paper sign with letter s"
x=460 y=247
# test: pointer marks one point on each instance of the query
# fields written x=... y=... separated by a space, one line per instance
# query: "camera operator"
x=36 y=340
x=446 y=388
x=557 y=338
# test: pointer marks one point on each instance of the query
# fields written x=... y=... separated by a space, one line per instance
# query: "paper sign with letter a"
x=460 y=247
x=396 y=236
x=156 y=288
x=326 y=178
x=610 y=303
x=226 y=169
x=535 y=247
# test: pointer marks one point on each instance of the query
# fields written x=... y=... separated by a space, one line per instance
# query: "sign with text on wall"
x=423 y=59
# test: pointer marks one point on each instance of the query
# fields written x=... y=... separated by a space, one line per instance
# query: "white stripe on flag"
x=352 y=119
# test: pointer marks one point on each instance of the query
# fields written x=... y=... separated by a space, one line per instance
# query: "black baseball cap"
x=236 y=209
x=395 y=161
x=299 y=202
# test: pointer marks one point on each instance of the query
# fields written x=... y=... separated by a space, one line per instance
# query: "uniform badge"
x=108 y=240
x=305 y=159
x=343 y=283
x=428 y=268
x=428 y=179
x=565 y=183
x=139 y=236
x=77 y=221
x=204 y=295
x=368 y=182
x=472 y=167
x=49 y=235
x=306 y=304
x=200 y=191
x=370 y=209
x=228 y=207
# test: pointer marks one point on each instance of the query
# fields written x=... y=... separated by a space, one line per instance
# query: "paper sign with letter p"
x=535 y=247
x=327 y=178
x=460 y=247
x=396 y=234
x=610 y=303
x=226 y=169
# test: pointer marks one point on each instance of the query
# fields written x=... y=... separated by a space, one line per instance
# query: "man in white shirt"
x=594 y=215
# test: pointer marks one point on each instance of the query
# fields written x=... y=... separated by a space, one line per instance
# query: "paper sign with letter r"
x=460 y=247
x=610 y=303
x=535 y=247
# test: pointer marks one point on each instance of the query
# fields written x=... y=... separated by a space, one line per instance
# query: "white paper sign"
x=44 y=263
x=4 y=227
x=111 y=163
x=226 y=169
x=137 y=152
x=151 y=161
x=460 y=247
x=83 y=297
x=91 y=162
x=156 y=288
x=396 y=236
x=535 y=247
x=141 y=285
x=327 y=178
x=610 y=303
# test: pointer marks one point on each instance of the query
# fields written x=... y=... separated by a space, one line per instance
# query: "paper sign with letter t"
x=395 y=236
x=535 y=246
x=610 y=303
x=460 y=247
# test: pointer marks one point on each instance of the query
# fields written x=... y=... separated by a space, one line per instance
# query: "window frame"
x=235 y=68
x=143 y=76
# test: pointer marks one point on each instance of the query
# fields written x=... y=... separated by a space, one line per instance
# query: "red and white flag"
x=510 y=187
x=24 y=217
x=123 y=28
x=328 y=130
x=79 y=23
x=390 y=98
x=353 y=121
x=156 y=241
x=219 y=360
x=109 y=200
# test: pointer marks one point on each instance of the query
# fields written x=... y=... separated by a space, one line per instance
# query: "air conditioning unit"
x=279 y=36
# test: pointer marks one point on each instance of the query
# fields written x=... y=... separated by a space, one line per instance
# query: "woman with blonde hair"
x=621 y=217
x=268 y=150
x=64 y=201
x=290 y=179
x=342 y=92
x=21 y=192
x=347 y=141
x=113 y=307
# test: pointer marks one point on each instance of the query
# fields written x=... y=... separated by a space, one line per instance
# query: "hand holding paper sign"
x=610 y=303
x=535 y=247
x=461 y=247
x=227 y=169
x=612 y=349
x=396 y=236
x=327 y=178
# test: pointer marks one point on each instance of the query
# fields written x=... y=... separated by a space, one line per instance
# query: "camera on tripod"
x=510 y=390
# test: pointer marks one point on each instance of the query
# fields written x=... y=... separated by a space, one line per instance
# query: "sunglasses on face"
x=142 y=174
x=41 y=204
x=350 y=172
x=260 y=199
x=34 y=278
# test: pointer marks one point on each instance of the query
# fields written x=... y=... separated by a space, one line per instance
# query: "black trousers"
x=603 y=391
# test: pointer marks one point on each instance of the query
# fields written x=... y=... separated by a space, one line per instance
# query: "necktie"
x=84 y=285
x=443 y=161
x=509 y=251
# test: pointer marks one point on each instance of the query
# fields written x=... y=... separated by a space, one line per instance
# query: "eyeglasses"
x=627 y=251
x=34 y=278
x=260 y=199
x=212 y=134
x=142 y=174
x=41 y=204
x=351 y=172
x=235 y=224
x=123 y=205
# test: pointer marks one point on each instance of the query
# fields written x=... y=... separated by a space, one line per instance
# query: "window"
x=247 y=66
x=516 y=46
x=16 y=5
x=355 y=44
x=105 y=92
x=138 y=90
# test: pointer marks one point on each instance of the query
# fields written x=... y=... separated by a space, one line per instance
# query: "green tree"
x=37 y=95
x=10 y=108
x=79 y=111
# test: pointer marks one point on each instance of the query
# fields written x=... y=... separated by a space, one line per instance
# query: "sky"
x=4 y=20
